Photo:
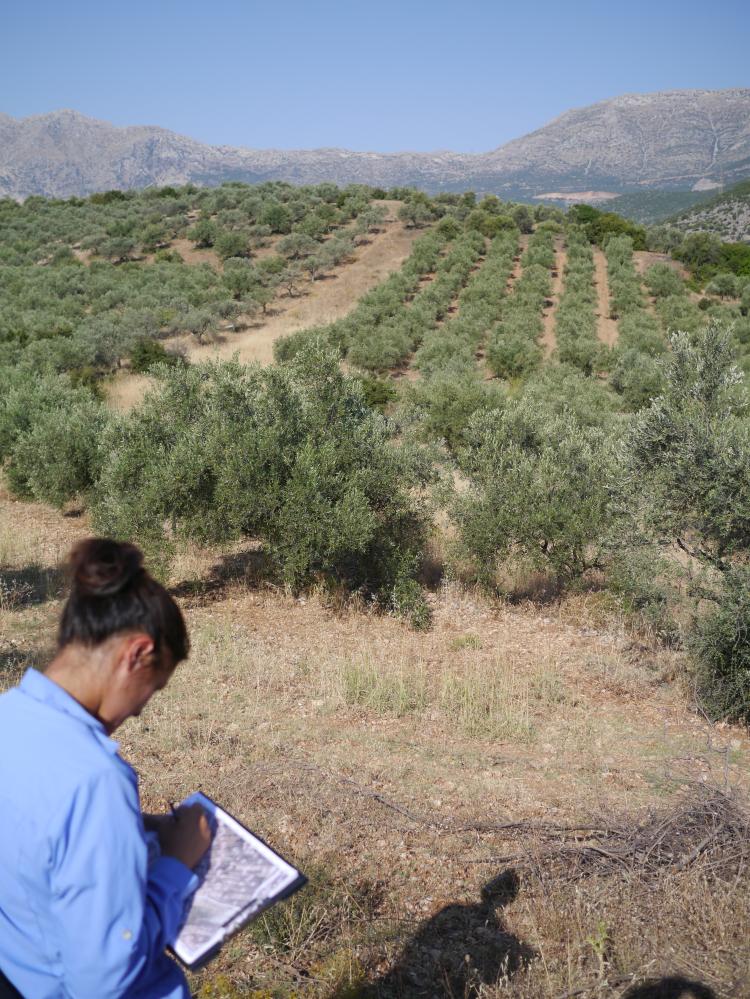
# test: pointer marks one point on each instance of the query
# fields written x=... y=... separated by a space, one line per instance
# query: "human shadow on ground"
x=671 y=988
x=29 y=585
x=459 y=949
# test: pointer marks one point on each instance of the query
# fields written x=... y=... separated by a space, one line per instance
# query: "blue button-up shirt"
x=82 y=915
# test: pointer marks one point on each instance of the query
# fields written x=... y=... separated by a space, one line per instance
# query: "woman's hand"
x=186 y=836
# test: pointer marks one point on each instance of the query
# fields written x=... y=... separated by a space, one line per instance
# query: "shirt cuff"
x=173 y=876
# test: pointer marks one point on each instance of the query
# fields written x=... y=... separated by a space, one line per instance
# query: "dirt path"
x=605 y=326
x=515 y=274
x=325 y=300
x=549 y=340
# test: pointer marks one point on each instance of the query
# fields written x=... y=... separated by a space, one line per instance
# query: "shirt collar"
x=38 y=686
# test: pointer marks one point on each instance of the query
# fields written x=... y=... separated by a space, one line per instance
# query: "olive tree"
x=688 y=467
x=540 y=492
x=290 y=454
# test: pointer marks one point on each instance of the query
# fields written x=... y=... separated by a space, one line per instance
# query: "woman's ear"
x=138 y=651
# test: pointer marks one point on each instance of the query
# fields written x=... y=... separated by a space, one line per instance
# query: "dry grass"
x=397 y=767
x=477 y=698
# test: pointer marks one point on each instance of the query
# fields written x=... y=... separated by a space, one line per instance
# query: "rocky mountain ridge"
x=688 y=139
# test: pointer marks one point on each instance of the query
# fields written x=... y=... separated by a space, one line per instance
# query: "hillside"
x=650 y=207
x=428 y=662
x=727 y=215
x=671 y=140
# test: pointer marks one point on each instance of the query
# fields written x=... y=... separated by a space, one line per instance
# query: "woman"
x=82 y=913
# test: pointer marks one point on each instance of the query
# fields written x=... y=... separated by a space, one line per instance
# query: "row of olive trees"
x=634 y=369
x=122 y=224
x=514 y=348
x=561 y=483
x=575 y=320
x=292 y=455
x=451 y=388
x=379 y=306
x=392 y=341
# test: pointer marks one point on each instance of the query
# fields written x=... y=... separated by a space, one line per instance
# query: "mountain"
x=680 y=140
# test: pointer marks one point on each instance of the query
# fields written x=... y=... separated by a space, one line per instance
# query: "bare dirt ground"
x=394 y=766
x=549 y=341
x=324 y=300
x=606 y=326
x=191 y=255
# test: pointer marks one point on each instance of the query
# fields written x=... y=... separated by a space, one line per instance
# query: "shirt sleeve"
x=115 y=915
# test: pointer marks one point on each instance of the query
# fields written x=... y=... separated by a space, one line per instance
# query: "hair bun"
x=102 y=567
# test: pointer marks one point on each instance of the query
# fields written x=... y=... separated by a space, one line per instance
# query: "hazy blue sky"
x=385 y=75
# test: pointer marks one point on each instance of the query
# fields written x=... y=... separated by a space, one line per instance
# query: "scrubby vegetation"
x=331 y=472
x=635 y=371
x=726 y=214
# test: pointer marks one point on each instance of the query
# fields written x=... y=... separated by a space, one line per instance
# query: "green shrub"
x=448 y=400
x=637 y=377
x=688 y=474
x=566 y=392
x=146 y=353
x=679 y=314
x=377 y=392
x=642 y=580
x=662 y=280
x=58 y=458
x=408 y=601
x=724 y=284
x=689 y=451
x=514 y=355
x=231 y=244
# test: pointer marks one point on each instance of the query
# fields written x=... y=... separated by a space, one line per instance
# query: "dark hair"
x=111 y=592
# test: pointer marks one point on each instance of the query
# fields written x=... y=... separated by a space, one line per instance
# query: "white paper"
x=239 y=877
